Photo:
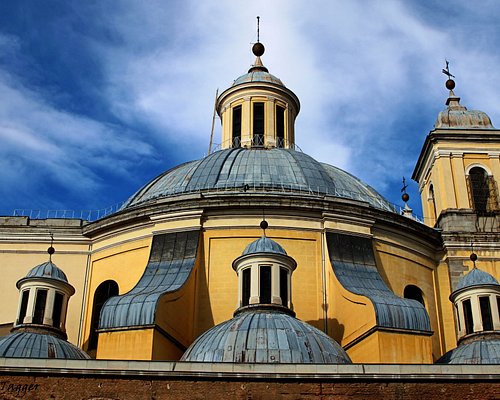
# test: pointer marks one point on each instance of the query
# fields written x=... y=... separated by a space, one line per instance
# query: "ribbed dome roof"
x=38 y=345
x=264 y=245
x=257 y=76
x=482 y=351
x=476 y=277
x=46 y=270
x=457 y=116
x=240 y=170
x=265 y=336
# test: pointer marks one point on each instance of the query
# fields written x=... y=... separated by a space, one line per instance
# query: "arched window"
x=284 y=286
x=103 y=292
x=479 y=189
x=413 y=292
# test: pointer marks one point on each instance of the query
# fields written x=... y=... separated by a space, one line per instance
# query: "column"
x=49 y=307
x=275 y=284
x=254 y=285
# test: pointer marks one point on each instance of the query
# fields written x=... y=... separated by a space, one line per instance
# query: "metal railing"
x=86 y=215
x=258 y=142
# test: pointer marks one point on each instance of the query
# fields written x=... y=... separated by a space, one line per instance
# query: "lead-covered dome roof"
x=480 y=351
x=46 y=270
x=476 y=277
x=38 y=345
x=277 y=170
x=265 y=336
x=264 y=245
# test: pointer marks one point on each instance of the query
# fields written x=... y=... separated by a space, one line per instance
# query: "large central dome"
x=277 y=170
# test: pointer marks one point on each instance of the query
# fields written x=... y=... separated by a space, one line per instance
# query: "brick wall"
x=62 y=386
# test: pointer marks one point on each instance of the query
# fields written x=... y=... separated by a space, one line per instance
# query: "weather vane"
x=446 y=70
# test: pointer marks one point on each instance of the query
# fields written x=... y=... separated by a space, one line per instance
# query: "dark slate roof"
x=257 y=76
x=476 y=277
x=170 y=263
x=265 y=337
x=354 y=266
x=271 y=170
x=38 y=345
x=485 y=351
x=264 y=245
x=47 y=270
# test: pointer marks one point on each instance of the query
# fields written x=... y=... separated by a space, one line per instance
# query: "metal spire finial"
x=258 y=29
x=263 y=224
x=473 y=256
x=51 y=249
x=405 y=197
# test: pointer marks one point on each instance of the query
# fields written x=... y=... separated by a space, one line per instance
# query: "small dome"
x=476 y=277
x=38 y=345
x=46 y=270
x=265 y=336
x=482 y=351
x=258 y=76
x=457 y=116
x=264 y=245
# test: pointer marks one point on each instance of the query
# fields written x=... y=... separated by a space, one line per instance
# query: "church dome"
x=47 y=270
x=265 y=336
x=38 y=345
x=479 y=351
x=277 y=170
x=476 y=277
x=264 y=245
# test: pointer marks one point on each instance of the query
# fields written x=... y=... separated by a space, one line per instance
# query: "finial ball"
x=405 y=197
x=258 y=49
x=264 y=225
x=450 y=84
x=473 y=257
x=51 y=250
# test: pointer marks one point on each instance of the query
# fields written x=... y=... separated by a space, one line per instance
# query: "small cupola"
x=44 y=294
x=477 y=302
x=258 y=111
x=264 y=274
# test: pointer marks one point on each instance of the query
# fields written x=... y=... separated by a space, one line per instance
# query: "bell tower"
x=459 y=165
x=458 y=172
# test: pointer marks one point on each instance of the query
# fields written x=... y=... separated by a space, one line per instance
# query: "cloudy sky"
x=99 y=97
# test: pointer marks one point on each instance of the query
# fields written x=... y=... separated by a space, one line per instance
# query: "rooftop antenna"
x=213 y=122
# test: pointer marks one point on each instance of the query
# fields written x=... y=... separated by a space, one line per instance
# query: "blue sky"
x=99 y=97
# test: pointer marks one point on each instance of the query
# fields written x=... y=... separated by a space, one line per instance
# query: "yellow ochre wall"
x=210 y=295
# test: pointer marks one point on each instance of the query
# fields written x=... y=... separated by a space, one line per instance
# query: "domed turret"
x=258 y=111
x=477 y=306
x=39 y=330
x=264 y=328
